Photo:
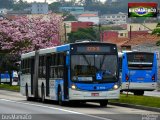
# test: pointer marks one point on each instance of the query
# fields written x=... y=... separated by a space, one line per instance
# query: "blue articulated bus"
x=81 y=72
x=138 y=71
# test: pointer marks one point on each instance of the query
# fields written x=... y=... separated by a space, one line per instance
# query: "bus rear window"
x=140 y=60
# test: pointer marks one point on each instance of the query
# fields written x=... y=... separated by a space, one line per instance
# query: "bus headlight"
x=73 y=86
x=115 y=87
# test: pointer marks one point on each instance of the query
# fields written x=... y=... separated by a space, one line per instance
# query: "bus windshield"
x=85 y=68
x=140 y=60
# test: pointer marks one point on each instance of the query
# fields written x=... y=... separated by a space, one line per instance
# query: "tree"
x=23 y=34
x=8 y=64
x=69 y=17
x=21 y=5
x=83 y=34
x=54 y=7
x=156 y=31
x=6 y=4
x=26 y=34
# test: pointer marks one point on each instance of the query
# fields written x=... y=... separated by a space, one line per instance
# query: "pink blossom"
x=23 y=34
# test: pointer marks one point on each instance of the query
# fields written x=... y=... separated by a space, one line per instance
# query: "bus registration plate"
x=95 y=94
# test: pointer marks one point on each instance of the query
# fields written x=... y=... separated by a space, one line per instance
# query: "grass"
x=8 y=87
x=139 y=100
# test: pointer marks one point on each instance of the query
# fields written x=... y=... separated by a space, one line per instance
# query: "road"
x=12 y=103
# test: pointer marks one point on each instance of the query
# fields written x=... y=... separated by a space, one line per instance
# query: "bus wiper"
x=101 y=63
x=84 y=56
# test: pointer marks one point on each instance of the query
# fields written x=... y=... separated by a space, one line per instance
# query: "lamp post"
x=99 y=28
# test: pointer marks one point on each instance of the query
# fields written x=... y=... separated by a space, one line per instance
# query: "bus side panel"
x=52 y=89
x=40 y=82
x=124 y=67
x=5 y=78
x=32 y=74
x=65 y=76
x=25 y=79
x=124 y=71
x=155 y=65
x=54 y=84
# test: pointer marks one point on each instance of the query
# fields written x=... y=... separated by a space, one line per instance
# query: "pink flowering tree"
x=24 y=34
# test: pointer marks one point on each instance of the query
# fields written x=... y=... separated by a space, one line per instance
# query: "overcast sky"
x=49 y=1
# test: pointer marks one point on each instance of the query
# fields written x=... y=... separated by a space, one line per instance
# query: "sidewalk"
x=135 y=106
x=155 y=93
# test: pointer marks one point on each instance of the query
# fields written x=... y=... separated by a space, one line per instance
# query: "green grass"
x=139 y=100
x=8 y=87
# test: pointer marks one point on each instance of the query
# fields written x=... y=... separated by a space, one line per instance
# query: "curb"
x=9 y=90
x=135 y=106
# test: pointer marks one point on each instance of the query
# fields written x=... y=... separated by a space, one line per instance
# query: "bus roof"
x=26 y=55
x=56 y=49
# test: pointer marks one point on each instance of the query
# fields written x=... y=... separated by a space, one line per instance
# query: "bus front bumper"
x=139 y=86
x=93 y=95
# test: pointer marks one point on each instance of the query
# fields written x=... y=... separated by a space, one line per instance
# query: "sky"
x=49 y=1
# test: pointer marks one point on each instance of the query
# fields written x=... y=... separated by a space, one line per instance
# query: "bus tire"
x=27 y=96
x=60 y=102
x=42 y=94
x=103 y=103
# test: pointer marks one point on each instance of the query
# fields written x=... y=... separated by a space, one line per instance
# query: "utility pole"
x=130 y=32
x=65 y=36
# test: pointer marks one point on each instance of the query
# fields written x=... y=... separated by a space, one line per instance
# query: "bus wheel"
x=42 y=94
x=27 y=96
x=60 y=102
x=103 y=103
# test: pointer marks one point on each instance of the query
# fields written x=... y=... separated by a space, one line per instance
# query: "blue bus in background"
x=5 y=78
x=81 y=72
x=138 y=72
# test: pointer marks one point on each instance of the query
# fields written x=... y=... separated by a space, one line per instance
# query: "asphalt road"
x=13 y=105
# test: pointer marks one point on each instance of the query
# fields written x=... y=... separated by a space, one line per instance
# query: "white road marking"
x=60 y=109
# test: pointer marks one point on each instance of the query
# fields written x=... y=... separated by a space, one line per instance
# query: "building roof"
x=142 y=39
x=88 y=15
x=138 y=40
x=117 y=41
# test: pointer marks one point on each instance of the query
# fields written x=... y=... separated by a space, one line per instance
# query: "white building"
x=120 y=18
x=39 y=8
x=89 y=18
